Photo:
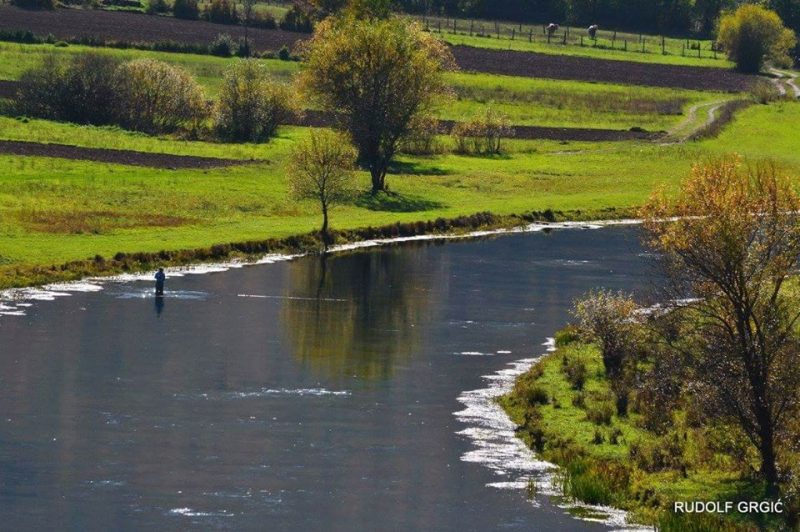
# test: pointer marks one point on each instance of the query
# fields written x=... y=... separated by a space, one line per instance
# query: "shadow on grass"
x=415 y=168
x=394 y=202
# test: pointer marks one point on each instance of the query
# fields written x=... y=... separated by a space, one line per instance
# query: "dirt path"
x=786 y=79
x=717 y=113
x=126 y=157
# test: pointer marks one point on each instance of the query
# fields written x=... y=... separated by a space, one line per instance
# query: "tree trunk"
x=378 y=180
x=324 y=231
x=769 y=469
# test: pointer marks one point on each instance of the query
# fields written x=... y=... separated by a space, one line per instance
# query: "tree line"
x=663 y=16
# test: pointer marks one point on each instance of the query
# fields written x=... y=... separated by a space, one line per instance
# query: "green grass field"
x=526 y=101
x=593 y=449
x=54 y=210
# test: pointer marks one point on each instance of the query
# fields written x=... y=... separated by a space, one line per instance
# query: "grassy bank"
x=54 y=211
x=565 y=408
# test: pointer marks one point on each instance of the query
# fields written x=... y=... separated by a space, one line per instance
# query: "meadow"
x=54 y=210
x=526 y=101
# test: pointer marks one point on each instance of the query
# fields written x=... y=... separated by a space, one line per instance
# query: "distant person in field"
x=160 y=278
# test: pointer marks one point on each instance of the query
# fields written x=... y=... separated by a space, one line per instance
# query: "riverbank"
x=564 y=409
x=253 y=250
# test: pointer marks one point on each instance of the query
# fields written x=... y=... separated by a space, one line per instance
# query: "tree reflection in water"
x=363 y=313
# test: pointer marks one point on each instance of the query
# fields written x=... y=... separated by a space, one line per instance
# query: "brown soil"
x=135 y=27
x=133 y=158
x=7 y=88
x=321 y=119
x=531 y=64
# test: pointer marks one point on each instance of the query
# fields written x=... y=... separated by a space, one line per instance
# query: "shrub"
x=600 y=414
x=421 y=139
x=482 y=134
x=157 y=7
x=535 y=395
x=221 y=12
x=284 y=54
x=263 y=20
x=763 y=92
x=186 y=9
x=753 y=34
x=159 y=97
x=81 y=90
x=251 y=104
x=243 y=48
x=659 y=455
x=222 y=45
x=569 y=334
x=34 y=4
x=575 y=371
x=297 y=19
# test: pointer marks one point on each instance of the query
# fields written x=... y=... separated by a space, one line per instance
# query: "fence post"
x=440 y=26
x=565 y=38
x=626 y=45
x=530 y=35
x=581 y=41
x=471 y=25
x=513 y=33
x=699 y=48
x=644 y=41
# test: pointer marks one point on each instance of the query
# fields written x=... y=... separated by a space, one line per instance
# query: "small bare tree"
x=733 y=246
x=321 y=168
x=248 y=7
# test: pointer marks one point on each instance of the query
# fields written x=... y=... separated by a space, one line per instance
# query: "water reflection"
x=361 y=314
x=159 y=305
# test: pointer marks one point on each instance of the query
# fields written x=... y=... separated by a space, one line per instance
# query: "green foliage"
x=567 y=335
x=375 y=77
x=34 y=4
x=483 y=134
x=186 y=9
x=159 y=97
x=753 y=34
x=297 y=19
x=252 y=104
x=421 y=139
x=221 y=12
x=82 y=89
x=320 y=169
x=155 y=7
x=223 y=45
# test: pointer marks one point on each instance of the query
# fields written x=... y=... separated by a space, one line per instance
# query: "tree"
x=733 y=246
x=375 y=76
x=157 y=97
x=251 y=103
x=753 y=34
x=81 y=89
x=321 y=168
x=610 y=319
x=247 y=16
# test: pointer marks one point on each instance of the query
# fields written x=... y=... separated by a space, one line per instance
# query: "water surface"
x=303 y=395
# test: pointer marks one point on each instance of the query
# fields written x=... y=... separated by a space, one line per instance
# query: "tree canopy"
x=376 y=76
x=753 y=34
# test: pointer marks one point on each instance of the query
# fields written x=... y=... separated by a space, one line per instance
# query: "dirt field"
x=133 y=158
x=133 y=27
x=536 y=65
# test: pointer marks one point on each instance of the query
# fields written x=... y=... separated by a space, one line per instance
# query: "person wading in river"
x=160 y=278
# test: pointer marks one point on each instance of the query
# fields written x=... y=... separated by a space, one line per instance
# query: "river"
x=302 y=395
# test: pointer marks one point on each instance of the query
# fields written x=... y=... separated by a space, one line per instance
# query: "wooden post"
x=581 y=41
x=663 y=46
x=548 y=37
x=683 y=50
x=643 y=46
x=513 y=33
x=626 y=45
x=530 y=35
x=565 y=38
x=471 y=26
x=699 y=48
